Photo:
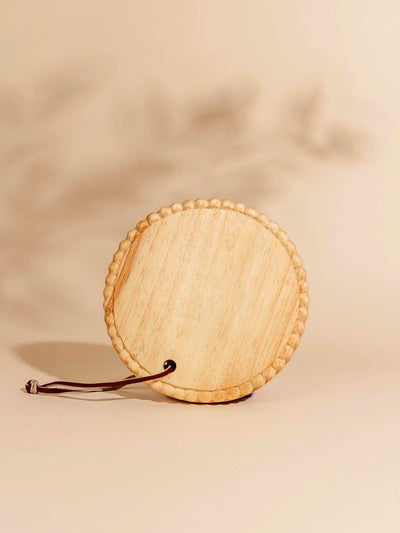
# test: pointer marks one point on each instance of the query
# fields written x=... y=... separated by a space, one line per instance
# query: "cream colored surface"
x=213 y=285
x=110 y=110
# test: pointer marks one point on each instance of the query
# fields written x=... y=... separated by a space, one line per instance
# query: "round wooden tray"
x=216 y=287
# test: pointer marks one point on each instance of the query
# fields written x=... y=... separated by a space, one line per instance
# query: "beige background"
x=109 y=111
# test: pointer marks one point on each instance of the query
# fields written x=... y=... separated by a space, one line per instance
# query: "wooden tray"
x=216 y=287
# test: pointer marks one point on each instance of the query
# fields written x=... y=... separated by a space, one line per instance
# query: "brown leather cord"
x=33 y=387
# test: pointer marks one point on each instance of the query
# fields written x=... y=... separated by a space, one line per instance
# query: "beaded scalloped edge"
x=220 y=395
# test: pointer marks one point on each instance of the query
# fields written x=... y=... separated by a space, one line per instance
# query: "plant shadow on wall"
x=79 y=161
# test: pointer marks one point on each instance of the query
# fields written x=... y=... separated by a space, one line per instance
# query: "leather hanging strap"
x=33 y=387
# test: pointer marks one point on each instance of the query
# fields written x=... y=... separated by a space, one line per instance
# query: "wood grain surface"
x=214 y=286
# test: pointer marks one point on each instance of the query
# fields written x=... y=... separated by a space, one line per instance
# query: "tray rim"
x=276 y=365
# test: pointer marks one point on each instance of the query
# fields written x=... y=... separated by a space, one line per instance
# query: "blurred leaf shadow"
x=311 y=133
x=204 y=145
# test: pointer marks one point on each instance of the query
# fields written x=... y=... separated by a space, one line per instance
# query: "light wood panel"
x=216 y=287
